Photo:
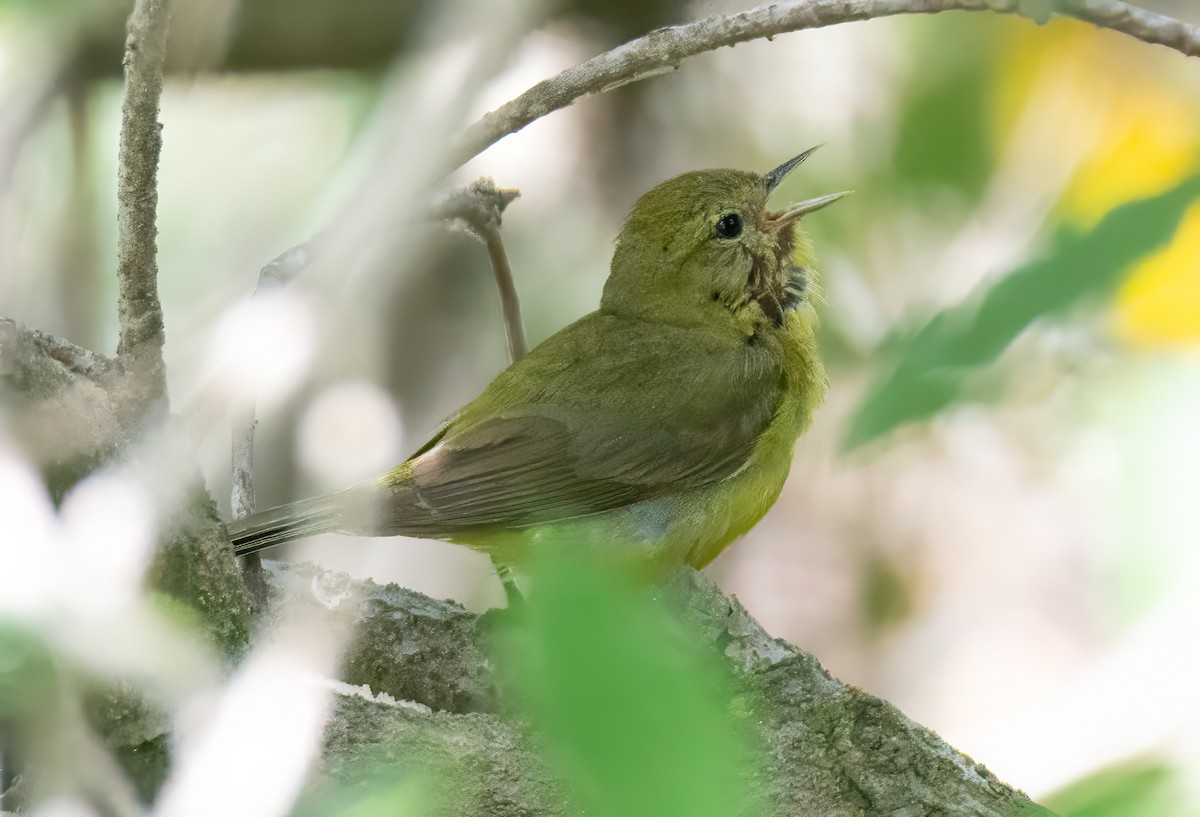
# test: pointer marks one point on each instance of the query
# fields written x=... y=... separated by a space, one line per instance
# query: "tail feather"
x=284 y=523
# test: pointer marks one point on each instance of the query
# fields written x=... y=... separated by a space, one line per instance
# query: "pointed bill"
x=778 y=174
x=803 y=208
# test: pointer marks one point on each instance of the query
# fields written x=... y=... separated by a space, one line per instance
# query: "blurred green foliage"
x=634 y=715
x=391 y=794
x=27 y=672
x=932 y=365
x=942 y=136
x=1140 y=789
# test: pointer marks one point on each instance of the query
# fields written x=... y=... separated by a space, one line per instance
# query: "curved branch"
x=1139 y=23
x=661 y=51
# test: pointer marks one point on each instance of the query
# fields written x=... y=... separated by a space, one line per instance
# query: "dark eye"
x=730 y=226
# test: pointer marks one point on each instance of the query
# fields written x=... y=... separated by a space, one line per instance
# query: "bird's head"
x=704 y=243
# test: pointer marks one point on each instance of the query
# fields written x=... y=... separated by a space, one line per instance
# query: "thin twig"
x=480 y=206
x=662 y=50
x=510 y=302
x=278 y=272
x=139 y=349
x=242 y=500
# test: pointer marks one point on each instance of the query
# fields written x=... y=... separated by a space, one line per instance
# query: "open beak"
x=778 y=174
x=803 y=208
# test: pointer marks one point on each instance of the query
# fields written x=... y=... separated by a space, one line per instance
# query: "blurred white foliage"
x=74 y=578
x=246 y=748
x=110 y=523
x=261 y=346
x=542 y=160
x=61 y=807
x=27 y=550
x=351 y=431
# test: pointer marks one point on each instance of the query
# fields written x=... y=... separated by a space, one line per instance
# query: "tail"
x=274 y=526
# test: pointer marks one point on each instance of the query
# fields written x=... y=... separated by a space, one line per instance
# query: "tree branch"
x=661 y=51
x=829 y=749
x=23 y=350
x=288 y=264
x=1142 y=24
x=278 y=272
x=480 y=207
x=59 y=394
x=76 y=359
x=139 y=349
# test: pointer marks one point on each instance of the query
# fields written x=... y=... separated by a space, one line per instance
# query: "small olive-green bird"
x=659 y=427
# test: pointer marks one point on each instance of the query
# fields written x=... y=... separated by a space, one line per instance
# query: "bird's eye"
x=730 y=226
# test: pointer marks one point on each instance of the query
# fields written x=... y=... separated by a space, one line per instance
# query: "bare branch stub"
x=288 y=264
x=80 y=361
x=480 y=207
x=139 y=349
x=662 y=50
x=74 y=359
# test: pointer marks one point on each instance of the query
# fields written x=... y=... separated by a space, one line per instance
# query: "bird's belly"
x=687 y=528
x=735 y=507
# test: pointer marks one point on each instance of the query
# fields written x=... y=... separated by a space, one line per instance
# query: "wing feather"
x=607 y=413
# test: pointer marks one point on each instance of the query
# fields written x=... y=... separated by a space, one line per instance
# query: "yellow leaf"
x=1159 y=304
x=1139 y=131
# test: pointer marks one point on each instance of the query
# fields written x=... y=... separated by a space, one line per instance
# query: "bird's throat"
x=777 y=284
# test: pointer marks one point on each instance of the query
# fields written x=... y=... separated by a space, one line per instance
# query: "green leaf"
x=635 y=716
x=943 y=137
x=932 y=364
x=1138 y=789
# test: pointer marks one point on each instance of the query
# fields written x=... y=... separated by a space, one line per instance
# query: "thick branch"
x=141 y=322
x=661 y=51
x=77 y=360
x=24 y=352
x=59 y=394
x=830 y=749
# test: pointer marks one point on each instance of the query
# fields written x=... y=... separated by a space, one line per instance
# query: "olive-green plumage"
x=660 y=426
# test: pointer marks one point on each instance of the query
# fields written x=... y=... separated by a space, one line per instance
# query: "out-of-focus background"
x=994 y=522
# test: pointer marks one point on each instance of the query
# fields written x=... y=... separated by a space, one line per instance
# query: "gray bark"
x=833 y=750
